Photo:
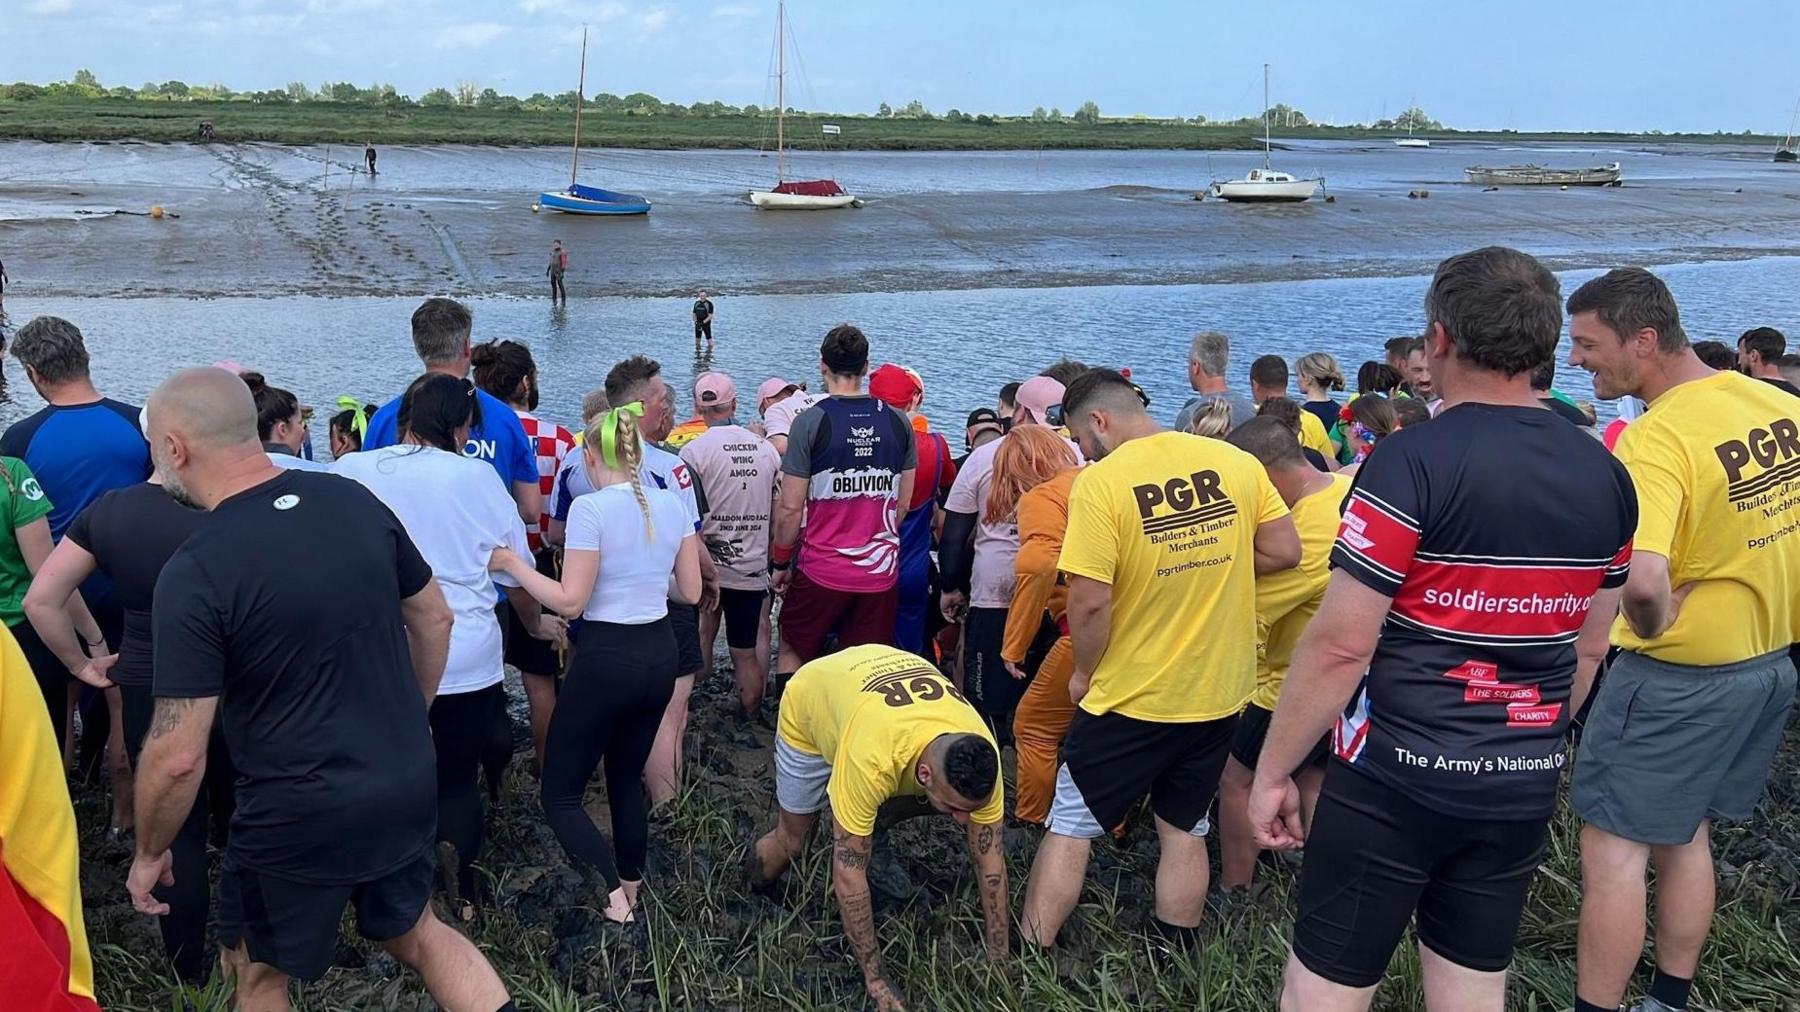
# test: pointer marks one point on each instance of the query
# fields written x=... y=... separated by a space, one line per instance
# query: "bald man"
x=303 y=617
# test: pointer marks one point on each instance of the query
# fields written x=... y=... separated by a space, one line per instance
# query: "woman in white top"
x=280 y=424
x=620 y=545
x=457 y=513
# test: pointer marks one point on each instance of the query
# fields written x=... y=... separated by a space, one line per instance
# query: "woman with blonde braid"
x=1033 y=472
x=620 y=545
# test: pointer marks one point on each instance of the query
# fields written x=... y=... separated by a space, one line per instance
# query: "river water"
x=974 y=269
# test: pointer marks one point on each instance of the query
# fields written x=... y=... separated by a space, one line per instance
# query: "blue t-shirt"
x=498 y=438
x=79 y=453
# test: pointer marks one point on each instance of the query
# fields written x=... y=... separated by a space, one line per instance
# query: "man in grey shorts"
x=1687 y=721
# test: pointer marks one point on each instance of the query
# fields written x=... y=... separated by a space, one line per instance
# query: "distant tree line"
x=471 y=95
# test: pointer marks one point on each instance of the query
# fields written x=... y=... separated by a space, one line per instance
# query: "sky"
x=1673 y=65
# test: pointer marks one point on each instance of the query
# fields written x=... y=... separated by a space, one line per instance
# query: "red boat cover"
x=811 y=188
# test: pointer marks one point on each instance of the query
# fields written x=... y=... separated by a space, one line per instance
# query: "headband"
x=609 y=431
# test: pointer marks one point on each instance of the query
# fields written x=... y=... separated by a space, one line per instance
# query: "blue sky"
x=1528 y=64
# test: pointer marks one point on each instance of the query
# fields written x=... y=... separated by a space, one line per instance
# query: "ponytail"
x=614 y=436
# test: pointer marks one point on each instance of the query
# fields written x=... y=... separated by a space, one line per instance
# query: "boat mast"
x=1790 y=134
x=580 y=86
x=780 y=91
x=1265 y=115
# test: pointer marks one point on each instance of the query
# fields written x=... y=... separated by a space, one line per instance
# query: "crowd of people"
x=1366 y=627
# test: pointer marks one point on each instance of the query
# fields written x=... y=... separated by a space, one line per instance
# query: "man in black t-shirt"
x=1542 y=379
x=303 y=616
x=1479 y=614
x=703 y=316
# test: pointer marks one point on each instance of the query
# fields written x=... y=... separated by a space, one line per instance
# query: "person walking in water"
x=703 y=314
x=559 y=262
x=369 y=157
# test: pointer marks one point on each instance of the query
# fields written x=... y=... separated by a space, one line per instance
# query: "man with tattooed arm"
x=865 y=727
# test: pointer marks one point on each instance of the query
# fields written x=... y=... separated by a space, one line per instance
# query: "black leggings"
x=557 y=289
x=184 y=926
x=52 y=677
x=612 y=702
x=460 y=728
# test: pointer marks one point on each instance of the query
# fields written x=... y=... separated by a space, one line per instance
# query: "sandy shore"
x=248 y=228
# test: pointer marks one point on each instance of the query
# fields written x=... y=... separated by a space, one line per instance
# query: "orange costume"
x=1045 y=710
x=44 y=963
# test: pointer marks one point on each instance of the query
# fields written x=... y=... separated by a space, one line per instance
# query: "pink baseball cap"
x=714 y=388
x=1038 y=395
x=774 y=387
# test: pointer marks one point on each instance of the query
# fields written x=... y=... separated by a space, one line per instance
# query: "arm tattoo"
x=851 y=851
x=984 y=839
x=859 y=929
x=168 y=716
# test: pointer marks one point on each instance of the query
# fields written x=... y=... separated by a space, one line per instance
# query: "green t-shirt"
x=23 y=502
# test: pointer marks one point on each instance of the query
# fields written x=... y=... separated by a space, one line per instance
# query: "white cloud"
x=471 y=35
x=734 y=12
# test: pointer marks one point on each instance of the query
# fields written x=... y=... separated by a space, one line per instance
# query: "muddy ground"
x=707 y=942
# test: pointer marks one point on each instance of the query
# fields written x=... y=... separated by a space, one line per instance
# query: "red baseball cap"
x=896 y=385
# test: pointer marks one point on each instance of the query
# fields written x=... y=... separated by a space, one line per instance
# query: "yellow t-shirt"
x=1716 y=463
x=1287 y=600
x=870 y=711
x=1169 y=521
x=1314 y=437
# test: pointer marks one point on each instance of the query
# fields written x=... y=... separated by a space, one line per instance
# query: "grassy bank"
x=50 y=119
x=707 y=943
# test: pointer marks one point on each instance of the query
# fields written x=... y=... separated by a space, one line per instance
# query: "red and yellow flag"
x=44 y=961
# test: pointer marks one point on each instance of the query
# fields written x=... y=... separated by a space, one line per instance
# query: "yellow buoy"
x=156 y=211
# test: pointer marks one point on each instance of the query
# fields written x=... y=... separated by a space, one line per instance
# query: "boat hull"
x=1247 y=192
x=1412 y=142
x=568 y=203
x=799 y=201
x=1786 y=155
x=1538 y=175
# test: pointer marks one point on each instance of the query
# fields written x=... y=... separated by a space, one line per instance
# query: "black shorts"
x=524 y=651
x=1253 y=729
x=293 y=926
x=1110 y=761
x=741 y=614
x=684 y=622
x=702 y=328
x=1375 y=857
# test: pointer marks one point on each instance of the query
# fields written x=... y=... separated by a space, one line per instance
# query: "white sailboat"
x=1266 y=185
x=793 y=195
x=1409 y=141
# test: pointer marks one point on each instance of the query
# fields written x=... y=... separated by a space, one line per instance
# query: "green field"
x=62 y=119
x=708 y=944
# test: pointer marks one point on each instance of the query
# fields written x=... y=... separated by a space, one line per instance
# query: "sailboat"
x=1265 y=185
x=1786 y=153
x=1409 y=141
x=579 y=199
x=793 y=195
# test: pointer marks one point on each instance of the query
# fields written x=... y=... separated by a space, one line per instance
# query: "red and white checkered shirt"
x=551 y=443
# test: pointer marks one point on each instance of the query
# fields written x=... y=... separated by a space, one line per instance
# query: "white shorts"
x=800 y=779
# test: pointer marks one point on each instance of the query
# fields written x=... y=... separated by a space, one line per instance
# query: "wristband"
x=780 y=567
x=781 y=556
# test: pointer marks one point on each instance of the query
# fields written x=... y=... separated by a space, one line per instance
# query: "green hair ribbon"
x=359 y=422
x=609 y=431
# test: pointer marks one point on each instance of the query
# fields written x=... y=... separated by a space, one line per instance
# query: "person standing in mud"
x=336 y=772
x=876 y=730
x=703 y=317
x=559 y=262
x=369 y=157
x=4 y=281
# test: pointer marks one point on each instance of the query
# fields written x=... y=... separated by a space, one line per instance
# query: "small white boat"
x=795 y=195
x=1411 y=142
x=1266 y=185
x=817 y=195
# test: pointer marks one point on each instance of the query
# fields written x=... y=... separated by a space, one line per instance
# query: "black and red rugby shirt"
x=1491 y=527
